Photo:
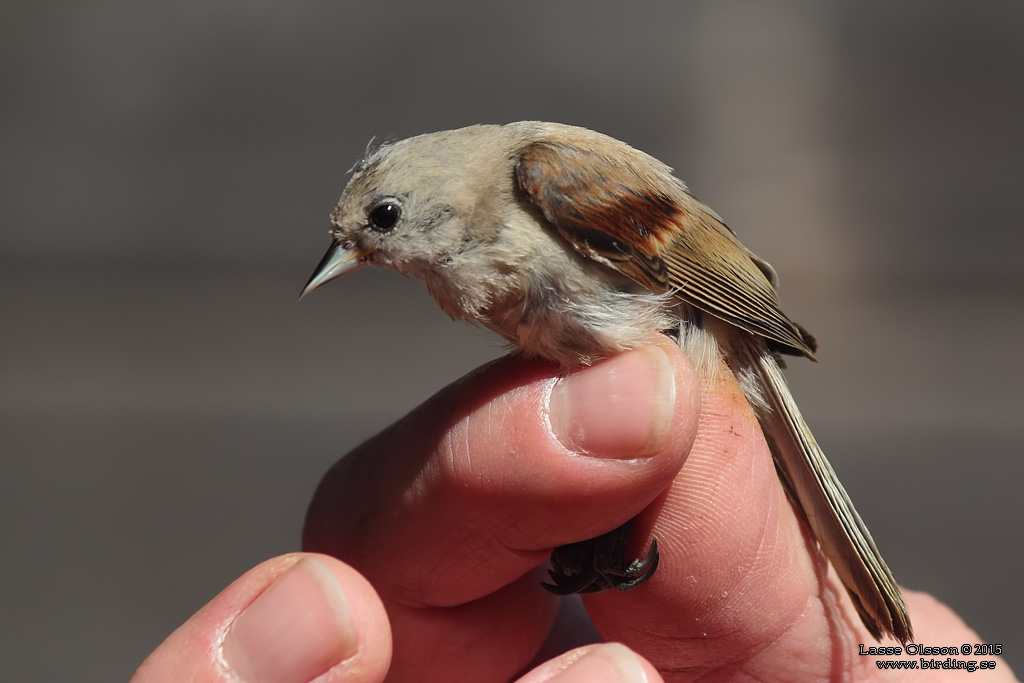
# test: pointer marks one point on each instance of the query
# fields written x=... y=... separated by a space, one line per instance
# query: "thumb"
x=290 y=619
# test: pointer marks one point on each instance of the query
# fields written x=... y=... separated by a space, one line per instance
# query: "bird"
x=575 y=246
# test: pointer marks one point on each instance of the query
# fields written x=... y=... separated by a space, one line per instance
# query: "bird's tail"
x=814 y=486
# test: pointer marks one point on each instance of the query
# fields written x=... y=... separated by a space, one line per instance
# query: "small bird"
x=575 y=246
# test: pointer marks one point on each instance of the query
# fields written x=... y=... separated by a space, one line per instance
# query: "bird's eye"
x=384 y=216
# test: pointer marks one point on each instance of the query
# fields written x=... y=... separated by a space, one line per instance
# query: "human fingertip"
x=607 y=663
x=298 y=628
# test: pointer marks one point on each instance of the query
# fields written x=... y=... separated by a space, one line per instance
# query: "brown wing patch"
x=624 y=209
x=605 y=209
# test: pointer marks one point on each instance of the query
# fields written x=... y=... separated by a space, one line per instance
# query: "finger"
x=601 y=663
x=475 y=487
x=741 y=588
x=452 y=506
x=289 y=620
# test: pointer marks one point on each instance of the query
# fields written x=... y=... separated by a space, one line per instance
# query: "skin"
x=449 y=511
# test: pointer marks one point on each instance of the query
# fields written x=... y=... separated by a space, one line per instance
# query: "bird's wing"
x=624 y=209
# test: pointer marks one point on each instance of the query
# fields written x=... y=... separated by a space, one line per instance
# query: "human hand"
x=449 y=511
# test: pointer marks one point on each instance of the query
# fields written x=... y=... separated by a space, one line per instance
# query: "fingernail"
x=296 y=630
x=607 y=663
x=621 y=407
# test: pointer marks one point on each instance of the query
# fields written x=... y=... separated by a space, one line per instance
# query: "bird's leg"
x=598 y=564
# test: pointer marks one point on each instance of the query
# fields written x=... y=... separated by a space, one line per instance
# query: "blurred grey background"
x=167 y=407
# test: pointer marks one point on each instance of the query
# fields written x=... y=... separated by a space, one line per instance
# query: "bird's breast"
x=572 y=326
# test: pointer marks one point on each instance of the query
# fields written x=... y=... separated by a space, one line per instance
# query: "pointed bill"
x=335 y=263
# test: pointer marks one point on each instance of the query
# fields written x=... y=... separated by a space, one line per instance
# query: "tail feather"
x=816 y=489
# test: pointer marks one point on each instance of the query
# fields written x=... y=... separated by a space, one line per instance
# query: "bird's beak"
x=336 y=262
